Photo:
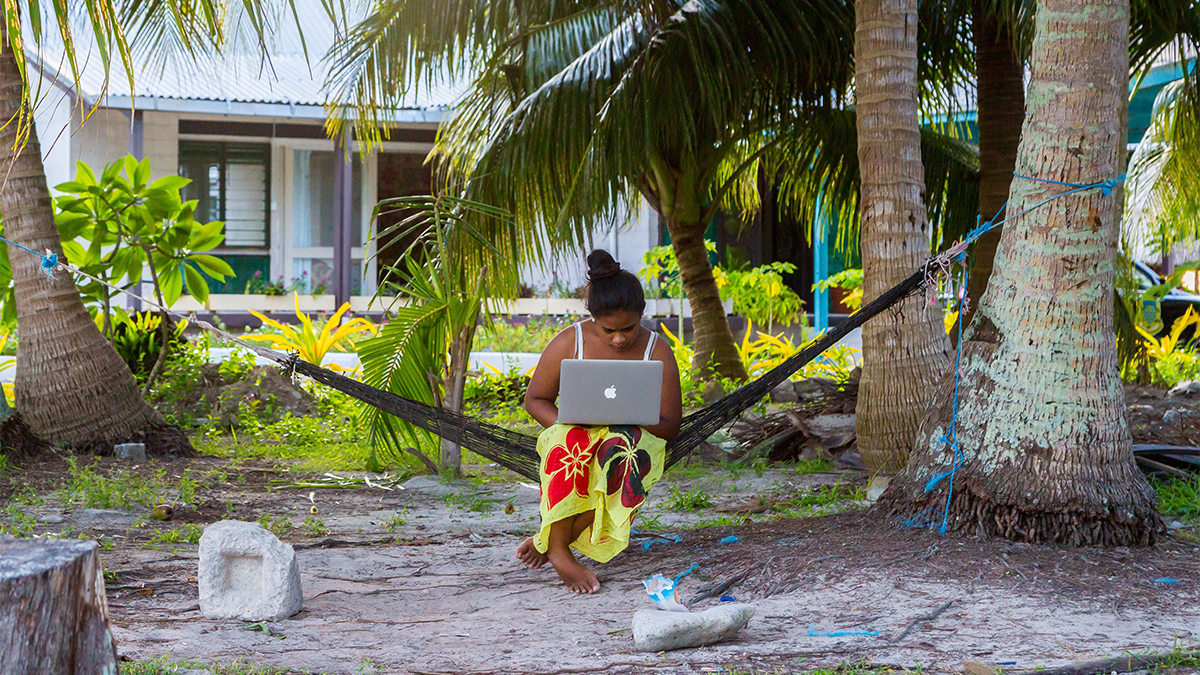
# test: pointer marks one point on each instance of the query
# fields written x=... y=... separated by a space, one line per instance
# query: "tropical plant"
x=87 y=402
x=445 y=277
x=128 y=223
x=848 y=280
x=577 y=108
x=310 y=341
x=1171 y=360
x=1039 y=448
x=138 y=338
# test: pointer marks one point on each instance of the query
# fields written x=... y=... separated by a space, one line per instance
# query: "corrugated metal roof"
x=243 y=74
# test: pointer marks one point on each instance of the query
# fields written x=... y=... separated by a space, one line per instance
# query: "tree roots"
x=17 y=441
x=974 y=512
x=161 y=440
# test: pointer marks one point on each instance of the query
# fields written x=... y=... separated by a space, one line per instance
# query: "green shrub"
x=531 y=336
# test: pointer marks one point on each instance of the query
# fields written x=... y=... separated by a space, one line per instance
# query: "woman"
x=594 y=479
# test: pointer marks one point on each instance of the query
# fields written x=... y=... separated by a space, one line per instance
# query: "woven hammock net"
x=518 y=451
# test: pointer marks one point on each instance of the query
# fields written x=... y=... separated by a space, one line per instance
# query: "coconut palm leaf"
x=1163 y=186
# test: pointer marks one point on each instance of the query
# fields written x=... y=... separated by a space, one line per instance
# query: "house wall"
x=628 y=242
x=52 y=120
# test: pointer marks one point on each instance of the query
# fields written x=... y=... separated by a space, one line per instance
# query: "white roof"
x=285 y=82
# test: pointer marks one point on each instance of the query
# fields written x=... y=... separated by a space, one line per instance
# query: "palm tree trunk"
x=904 y=351
x=1041 y=422
x=71 y=386
x=456 y=379
x=714 y=348
x=1001 y=106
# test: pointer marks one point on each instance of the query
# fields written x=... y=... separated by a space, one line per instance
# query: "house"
x=249 y=133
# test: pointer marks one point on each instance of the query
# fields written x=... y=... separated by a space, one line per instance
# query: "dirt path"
x=442 y=592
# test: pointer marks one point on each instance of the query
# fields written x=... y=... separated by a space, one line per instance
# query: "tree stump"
x=53 y=612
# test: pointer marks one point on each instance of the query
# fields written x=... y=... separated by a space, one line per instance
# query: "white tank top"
x=579 y=342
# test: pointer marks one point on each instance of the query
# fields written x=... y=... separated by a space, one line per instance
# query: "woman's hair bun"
x=601 y=265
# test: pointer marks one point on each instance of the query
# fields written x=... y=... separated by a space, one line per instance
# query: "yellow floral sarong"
x=608 y=470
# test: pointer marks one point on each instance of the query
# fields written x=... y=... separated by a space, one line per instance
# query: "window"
x=314 y=199
x=312 y=224
x=231 y=183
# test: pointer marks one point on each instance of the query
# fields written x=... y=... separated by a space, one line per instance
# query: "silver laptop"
x=599 y=391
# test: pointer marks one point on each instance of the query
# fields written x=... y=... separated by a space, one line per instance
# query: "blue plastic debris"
x=813 y=632
x=728 y=598
x=1006 y=663
x=1166 y=580
x=731 y=539
x=668 y=539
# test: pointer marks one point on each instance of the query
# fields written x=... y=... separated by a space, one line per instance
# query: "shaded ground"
x=423 y=579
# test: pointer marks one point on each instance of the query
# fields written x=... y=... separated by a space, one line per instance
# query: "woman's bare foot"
x=528 y=554
x=578 y=578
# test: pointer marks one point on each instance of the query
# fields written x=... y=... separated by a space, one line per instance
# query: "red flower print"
x=567 y=466
x=626 y=465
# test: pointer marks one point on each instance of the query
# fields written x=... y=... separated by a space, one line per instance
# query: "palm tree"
x=1003 y=30
x=577 y=108
x=901 y=356
x=1043 y=448
x=71 y=386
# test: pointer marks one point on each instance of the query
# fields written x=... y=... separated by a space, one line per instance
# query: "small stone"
x=1172 y=418
x=134 y=452
x=784 y=393
x=247 y=573
x=658 y=631
x=51 y=519
x=876 y=488
x=808 y=389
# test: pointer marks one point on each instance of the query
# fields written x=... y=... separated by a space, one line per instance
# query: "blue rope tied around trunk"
x=950 y=438
x=49 y=262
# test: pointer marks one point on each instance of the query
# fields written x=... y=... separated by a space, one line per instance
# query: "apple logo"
x=611 y=392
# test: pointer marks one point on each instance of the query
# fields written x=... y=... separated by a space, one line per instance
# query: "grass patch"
x=187 y=534
x=820 y=501
x=692 y=500
x=1179 y=498
x=120 y=489
x=164 y=665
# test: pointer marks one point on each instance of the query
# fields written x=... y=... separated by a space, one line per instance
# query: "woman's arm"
x=671 y=410
x=542 y=393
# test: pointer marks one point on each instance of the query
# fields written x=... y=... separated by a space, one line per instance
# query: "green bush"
x=532 y=336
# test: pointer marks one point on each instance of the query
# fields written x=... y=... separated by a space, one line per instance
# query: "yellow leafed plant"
x=1164 y=347
x=312 y=344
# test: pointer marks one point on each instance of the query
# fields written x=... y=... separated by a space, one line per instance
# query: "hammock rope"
x=517 y=451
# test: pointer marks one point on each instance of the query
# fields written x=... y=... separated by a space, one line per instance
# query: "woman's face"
x=620 y=329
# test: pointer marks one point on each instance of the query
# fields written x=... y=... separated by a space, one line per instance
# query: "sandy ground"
x=443 y=593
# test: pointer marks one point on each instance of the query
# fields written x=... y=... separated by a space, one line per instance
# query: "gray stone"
x=807 y=389
x=103 y=518
x=784 y=393
x=658 y=631
x=51 y=519
x=1185 y=388
x=831 y=425
x=247 y=573
x=134 y=452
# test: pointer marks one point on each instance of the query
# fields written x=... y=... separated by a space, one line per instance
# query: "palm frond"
x=1163 y=186
x=817 y=173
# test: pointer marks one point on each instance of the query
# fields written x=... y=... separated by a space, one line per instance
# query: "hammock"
x=518 y=452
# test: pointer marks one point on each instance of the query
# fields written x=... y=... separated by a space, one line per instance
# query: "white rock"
x=247 y=573
x=658 y=631
x=134 y=452
x=1185 y=388
x=876 y=488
